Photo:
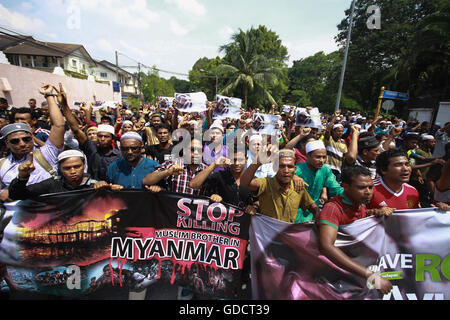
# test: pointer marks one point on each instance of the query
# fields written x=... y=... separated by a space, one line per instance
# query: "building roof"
x=112 y=67
x=30 y=46
x=8 y=41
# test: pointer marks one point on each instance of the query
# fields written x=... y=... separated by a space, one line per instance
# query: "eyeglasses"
x=133 y=149
x=17 y=140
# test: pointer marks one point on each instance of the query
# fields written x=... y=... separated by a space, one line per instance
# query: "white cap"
x=217 y=125
x=69 y=154
x=131 y=135
x=106 y=128
x=337 y=126
x=427 y=137
x=314 y=145
x=255 y=137
x=127 y=122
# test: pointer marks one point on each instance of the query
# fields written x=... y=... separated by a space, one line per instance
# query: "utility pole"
x=341 y=82
x=117 y=66
x=217 y=81
x=139 y=80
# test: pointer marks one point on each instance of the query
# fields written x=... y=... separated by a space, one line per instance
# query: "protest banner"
x=165 y=102
x=290 y=110
x=123 y=239
x=308 y=118
x=227 y=107
x=191 y=102
x=265 y=123
x=411 y=248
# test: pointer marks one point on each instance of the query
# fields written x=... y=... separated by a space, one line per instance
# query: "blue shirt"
x=120 y=172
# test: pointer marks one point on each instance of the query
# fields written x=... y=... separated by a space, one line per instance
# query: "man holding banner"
x=344 y=209
x=278 y=197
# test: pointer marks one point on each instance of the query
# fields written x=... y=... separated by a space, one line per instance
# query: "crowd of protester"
x=351 y=167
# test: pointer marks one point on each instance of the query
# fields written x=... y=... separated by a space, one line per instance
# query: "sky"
x=173 y=34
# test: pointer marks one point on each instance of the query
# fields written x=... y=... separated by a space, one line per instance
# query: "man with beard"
x=317 y=176
x=391 y=188
x=71 y=166
x=133 y=167
x=19 y=140
x=277 y=196
x=161 y=152
x=344 y=209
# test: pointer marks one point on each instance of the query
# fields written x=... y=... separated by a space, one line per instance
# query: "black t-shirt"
x=158 y=154
x=223 y=184
x=98 y=162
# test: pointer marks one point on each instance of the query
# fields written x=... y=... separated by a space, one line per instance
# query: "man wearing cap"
x=133 y=167
x=71 y=167
x=337 y=151
x=277 y=196
x=317 y=176
x=19 y=140
x=99 y=155
x=215 y=149
x=368 y=150
x=254 y=147
x=421 y=164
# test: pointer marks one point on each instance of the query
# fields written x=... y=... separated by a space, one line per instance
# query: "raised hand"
x=222 y=162
x=46 y=89
x=61 y=95
x=27 y=167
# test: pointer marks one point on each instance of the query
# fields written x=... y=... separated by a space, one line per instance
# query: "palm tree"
x=248 y=69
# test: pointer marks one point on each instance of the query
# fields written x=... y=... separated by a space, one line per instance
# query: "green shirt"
x=316 y=180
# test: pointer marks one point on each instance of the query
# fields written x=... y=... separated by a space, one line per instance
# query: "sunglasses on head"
x=134 y=149
x=17 y=140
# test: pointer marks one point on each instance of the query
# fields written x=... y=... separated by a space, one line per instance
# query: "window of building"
x=103 y=74
x=74 y=63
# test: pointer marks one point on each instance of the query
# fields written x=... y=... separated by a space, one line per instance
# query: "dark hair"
x=380 y=135
x=383 y=159
x=162 y=126
x=24 y=110
x=307 y=137
x=106 y=118
x=3 y=100
x=350 y=172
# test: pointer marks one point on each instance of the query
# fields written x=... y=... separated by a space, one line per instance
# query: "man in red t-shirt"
x=391 y=189
x=345 y=209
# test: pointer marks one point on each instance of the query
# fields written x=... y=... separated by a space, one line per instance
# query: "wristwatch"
x=49 y=95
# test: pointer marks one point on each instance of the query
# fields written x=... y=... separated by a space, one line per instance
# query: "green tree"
x=180 y=85
x=408 y=53
x=203 y=76
x=251 y=70
x=314 y=80
x=153 y=86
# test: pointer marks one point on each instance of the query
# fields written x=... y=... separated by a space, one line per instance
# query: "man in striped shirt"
x=337 y=152
x=368 y=150
x=177 y=174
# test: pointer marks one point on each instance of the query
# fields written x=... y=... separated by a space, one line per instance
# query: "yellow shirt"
x=276 y=203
